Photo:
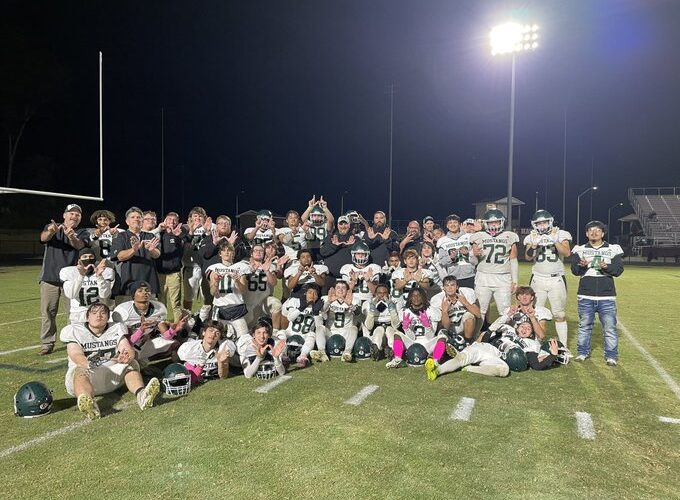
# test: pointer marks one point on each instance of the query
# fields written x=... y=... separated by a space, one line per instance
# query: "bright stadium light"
x=511 y=38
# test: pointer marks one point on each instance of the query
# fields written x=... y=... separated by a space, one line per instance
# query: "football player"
x=478 y=357
x=100 y=360
x=526 y=310
x=264 y=230
x=392 y=263
x=364 y=275
x=295 y=236
x=524 y=336
x=455 y=255
x=208 y=357
x=419 y=326
x=339 y=309
x=260 y=354
x=321 y=221
x=86 y=283
x=428 y=228
x=198 y=226
x=305 y=319
x=547 y=246
x=408 y=277
x=227 y=286
x=456 y=310
x=497 y=270
x=103 y=232
x=304 y=272
x=430 y=262
x=381 y=321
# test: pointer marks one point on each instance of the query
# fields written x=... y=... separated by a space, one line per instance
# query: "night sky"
x=287 y=98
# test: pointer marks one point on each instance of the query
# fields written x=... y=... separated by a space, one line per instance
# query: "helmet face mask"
x=264 y=216
x=360 y=253
x=294 y=346
x=539 y=220
x=317 y=217
x=493 y=222
x=564 y=355
x=33 y=399
x=176 y=380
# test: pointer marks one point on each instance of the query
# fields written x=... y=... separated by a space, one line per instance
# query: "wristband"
x=138 y=333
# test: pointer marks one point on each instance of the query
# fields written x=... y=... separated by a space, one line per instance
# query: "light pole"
x=342 y=202
x=609 y=217
x=239 y=193
x=578 y=213
x=511 y=38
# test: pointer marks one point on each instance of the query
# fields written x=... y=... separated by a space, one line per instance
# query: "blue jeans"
x=606 y=309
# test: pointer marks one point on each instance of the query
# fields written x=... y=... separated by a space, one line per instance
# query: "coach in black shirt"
x=62 y=242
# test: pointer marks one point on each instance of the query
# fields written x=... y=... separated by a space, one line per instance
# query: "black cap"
x=86 y=251
x=452 y=217
x=596 y=223
x=137 y=285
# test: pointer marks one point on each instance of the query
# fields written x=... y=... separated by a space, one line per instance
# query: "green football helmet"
x=564 y=355
x=294 y=345
x=360 y=253
x=542 y=216
x=493 y=222
x=516 y=360
x=416 y=355
x=33 y=399
x=335 y=345
x=176 y=380
x=317 y=217
x=362 y=348
x=264 y=215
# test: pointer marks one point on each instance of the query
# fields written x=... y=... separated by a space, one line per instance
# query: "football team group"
x=350 y=290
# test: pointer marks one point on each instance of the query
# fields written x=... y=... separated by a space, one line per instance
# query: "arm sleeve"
x=514 y=270
x=615 y=268
x=250 y=369
x=72 y=287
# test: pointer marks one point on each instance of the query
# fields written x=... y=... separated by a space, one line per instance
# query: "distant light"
x=513 y=37
x=594 y=188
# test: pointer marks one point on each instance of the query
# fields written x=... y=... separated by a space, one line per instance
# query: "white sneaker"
x=146 y=396
x=396 y=363
x=581 y=357
x=347 y=357
x=611 y=362
x=89 y=407
x=319 y=356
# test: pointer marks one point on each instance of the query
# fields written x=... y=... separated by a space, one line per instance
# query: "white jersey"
x=542 y=314
x=258 y=289
x=456 y=311
x=128 y=314
x=338 y=314
x=436 y=270
x=262 y=236
x=419 y=326
x=85 y=290
x=452 y=259
x=305 y=277
x=316 y=236
x=384 y=317
x=495 y=258
x=228 y=293
x=246 y=352
x=528 y=344
x=593 y=256
x=102 y=245
x=293 y=241
x=361 y=292
x=300 y=322
x=399 y=296
x=548 y=262
x=98 y=349
x=192 y=351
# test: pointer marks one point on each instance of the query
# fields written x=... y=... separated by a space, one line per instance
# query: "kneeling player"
x=419 y=328
x=260 y=354
x=100 y=360
x=305 y=320
x=86 y=283
x=381 y=321
x=339 y=311
x=207 y=358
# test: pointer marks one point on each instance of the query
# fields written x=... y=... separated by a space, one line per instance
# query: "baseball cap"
x=137 y=285
x=468 y=221
x=72 y=207
x=428 y=219
x=452 y=217
x=343 y=218
x=596 y=223
x=85 y=251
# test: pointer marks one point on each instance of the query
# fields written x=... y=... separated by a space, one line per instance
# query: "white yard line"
x=26 y=319
x=669 y=420
x=264 y=389
x=41 y=439
x=464 y=410
x=20 y=349
x=584 y=425
x=359 y=397
x=672 y=384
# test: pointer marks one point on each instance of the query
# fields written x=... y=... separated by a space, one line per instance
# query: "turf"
x=302 y=440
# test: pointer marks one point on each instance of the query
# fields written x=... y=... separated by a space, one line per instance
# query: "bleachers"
x=658 y=210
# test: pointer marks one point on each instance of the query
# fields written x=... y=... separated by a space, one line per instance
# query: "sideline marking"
x=264 y=389
x=669 y=420
x=672 y=384
x=584 y=425
x=43 y=438
x=27 y=319
x=464 y=410
x=359 y=397
x=20 y=349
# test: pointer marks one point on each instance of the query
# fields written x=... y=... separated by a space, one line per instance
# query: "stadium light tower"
x=609 y=217
x=578 y=213
x=513 y=38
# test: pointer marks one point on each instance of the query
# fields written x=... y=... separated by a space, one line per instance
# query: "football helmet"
x=176 y=380
x=360 y=253
x=564 y=355
x=416 y=355
x=542 y=216
x=516 y=359
x=458 y=342
x=33 y=399
x=335 y=345
x=264 y=215
x=362 y=348
x=294 y=345
x=493 y=222
x=317 y=217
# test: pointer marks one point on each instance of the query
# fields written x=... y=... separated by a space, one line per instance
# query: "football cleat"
x=88 y=406
x=146 y=396
x=347 y=357
x=396 y=363
x=431 y=369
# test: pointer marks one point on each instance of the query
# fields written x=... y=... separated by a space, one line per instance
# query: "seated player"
x=86 y=283
x=526 y=310
x=456 y=310
x=304 y=272
x=305 y=319
x=207 y=358
x=145 y=319
x=408 y=277
x=381 y=321
x=227 y=286
x=419 y=327
x=478 y=357
x=339 y=310
x=100 y=360
x=260 y=354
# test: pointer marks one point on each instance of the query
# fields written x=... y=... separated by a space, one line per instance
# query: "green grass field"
x=302 y=440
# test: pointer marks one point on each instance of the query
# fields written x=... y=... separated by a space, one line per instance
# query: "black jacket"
x=596 y=282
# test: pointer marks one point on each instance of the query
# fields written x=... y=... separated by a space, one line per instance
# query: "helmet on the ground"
x=294 y=345
x=33 y=399
x=362 y=348
x=335 y=345
x=564 y=355
x=360 y=253
x=176 y=380
x=416 y=355
x=493 y=222
x=516 y=359
x=542 y=216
